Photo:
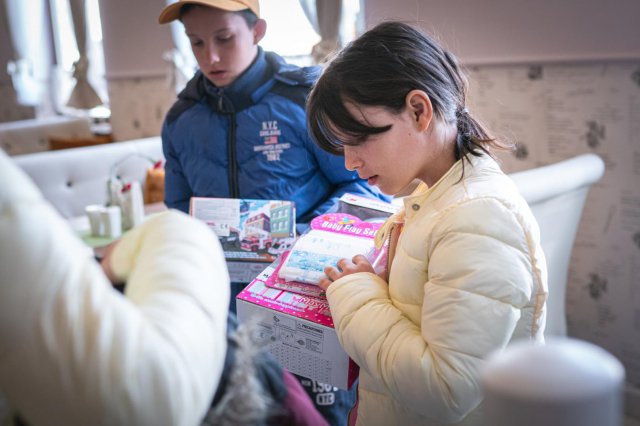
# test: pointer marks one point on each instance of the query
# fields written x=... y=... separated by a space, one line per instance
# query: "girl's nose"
x=351 y=160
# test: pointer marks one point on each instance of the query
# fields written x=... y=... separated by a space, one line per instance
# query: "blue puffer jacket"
x=250 y=140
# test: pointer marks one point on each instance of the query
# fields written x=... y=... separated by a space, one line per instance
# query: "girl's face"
x=416 y=146
x=223 y=44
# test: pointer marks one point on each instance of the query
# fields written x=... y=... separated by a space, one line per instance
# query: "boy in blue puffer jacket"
x=238 y=130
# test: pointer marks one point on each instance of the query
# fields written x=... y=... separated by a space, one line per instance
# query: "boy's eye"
x=225 y=38
x=196 y=43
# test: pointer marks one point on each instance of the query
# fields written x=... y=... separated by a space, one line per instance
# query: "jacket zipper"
x=234 y=191
x=233 y=166
x=392 y=244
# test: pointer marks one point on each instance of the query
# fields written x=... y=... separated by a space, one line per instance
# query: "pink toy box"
x=294 y=317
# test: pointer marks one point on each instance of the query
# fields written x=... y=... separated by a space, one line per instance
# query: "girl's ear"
x=419 y=105
x=259 y=30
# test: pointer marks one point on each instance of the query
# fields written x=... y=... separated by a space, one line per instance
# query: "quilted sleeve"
x=75 y=351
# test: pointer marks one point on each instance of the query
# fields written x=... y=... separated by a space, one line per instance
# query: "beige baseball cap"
x=172 y=12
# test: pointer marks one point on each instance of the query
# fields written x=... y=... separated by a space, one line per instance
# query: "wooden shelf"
x=66 y=143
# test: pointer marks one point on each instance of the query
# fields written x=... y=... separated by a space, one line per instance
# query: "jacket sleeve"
x=75 y=350
x=177 y=191
x=479 y=279
x=343 y=181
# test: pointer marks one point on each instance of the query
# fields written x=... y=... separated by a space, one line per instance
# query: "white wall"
x=561 y=79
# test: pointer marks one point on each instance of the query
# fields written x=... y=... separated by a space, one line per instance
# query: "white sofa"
x=74 y=178
x=556 y=194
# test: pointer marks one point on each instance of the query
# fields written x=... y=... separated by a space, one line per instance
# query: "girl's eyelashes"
x=355 y=140
x=369 y=137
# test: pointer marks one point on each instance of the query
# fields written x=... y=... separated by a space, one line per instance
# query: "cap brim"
x=172 y=12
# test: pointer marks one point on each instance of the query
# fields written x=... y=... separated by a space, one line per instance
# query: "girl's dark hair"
x=379 y=69
x=248 y=15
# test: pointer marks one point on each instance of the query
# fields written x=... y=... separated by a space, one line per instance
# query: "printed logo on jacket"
x=271 y=148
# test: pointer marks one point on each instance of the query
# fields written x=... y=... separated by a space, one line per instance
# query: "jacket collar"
x=239 y=94
x=453 y=176
x=267 y=69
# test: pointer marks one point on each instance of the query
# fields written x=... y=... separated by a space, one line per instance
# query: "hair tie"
x=462 y=111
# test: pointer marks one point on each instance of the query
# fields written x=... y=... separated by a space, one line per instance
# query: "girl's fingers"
x=331 y=273
x=359 y=263
x=344 y=264
x=324 y=283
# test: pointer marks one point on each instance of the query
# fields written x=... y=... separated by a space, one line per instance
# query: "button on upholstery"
x=415 y=207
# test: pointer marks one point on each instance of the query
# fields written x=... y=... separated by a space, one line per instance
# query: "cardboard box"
x=298 y=330
x=253 y=233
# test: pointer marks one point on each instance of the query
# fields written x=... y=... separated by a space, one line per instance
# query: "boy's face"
x=222 y=42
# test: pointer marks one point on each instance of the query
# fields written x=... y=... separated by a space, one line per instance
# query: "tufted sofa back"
x=556 y=194
x=73 y=178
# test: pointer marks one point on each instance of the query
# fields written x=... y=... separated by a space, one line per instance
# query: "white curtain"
x=83 y=95
x=309 y=7
x=325 y=16
x=30 y=67
x=181 y=60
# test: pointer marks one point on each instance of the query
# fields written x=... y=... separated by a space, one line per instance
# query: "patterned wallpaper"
x=554 y=112
x=138 y=106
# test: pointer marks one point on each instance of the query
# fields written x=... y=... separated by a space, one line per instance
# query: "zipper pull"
x=220 y=99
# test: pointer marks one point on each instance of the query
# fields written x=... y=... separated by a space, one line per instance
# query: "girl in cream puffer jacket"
x=467 y=275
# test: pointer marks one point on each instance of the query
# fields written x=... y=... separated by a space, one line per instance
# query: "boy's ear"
x=419 y=105
x=259 y=30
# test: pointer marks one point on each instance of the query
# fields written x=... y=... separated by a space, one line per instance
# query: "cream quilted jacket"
x=468 y=277
x=73 y=351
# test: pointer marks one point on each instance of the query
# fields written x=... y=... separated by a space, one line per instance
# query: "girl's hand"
x=359 y=263
x=105 y=262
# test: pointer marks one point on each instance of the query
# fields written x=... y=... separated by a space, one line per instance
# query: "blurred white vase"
x=566 y=382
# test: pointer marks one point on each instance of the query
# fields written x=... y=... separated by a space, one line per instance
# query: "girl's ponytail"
x=473 y=138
